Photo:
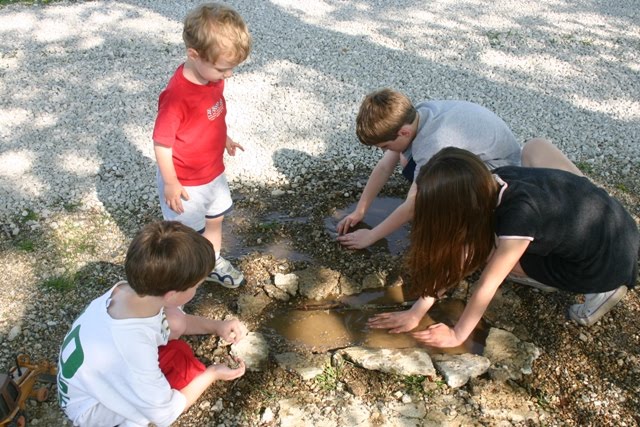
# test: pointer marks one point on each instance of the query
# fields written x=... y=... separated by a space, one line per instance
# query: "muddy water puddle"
x=395 y=243
x=321 y=326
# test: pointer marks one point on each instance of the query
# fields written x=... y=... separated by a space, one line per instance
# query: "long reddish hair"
x=453 y=226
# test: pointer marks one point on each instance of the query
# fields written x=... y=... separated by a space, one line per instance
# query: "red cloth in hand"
x=179 y=364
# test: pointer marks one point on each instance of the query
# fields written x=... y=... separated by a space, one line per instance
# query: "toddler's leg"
x=213 y=233
x=541 y=153
x=224 y=273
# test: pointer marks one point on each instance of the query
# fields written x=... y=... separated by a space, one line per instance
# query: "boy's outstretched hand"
x=349 y=221
x=226 y=373
x=232 y=330
x=231 y=146
x=358 y=239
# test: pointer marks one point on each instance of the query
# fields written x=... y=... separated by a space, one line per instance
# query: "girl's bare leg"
x=541 y=153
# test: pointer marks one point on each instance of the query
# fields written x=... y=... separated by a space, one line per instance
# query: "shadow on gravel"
x=98 y=103
x=111 y=108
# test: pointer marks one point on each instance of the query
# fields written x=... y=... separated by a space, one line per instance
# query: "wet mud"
x=320 y=326
x=396 y=243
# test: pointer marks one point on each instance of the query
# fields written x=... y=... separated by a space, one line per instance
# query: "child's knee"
x=534 y=151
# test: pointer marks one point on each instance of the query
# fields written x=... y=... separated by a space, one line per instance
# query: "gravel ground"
x=78 y=89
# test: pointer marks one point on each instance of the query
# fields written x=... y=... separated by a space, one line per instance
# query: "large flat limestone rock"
x=402 y=361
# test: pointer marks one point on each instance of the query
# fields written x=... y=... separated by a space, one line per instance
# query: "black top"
x=582 y=239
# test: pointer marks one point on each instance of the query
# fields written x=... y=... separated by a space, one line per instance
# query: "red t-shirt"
x=191 y=120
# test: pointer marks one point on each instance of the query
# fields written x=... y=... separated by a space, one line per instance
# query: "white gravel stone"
x=267 y=416
x=14 y=332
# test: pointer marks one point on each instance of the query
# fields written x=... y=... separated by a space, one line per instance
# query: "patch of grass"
x=494 y=38
x=620 y=186
x=413 y=384
x=60 y=283
x=78 y=241
x=269 y=396
x=584 y=167
x=329 y=378
x=71 y=206
x=26 y=245
x=267 y=226
x=542 y=399
x=84 y=244
x=29 y=216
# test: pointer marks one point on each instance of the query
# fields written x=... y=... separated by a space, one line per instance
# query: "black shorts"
x=409 y=170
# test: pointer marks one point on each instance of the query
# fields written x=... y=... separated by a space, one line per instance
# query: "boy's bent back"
x=109 y=372
x=113 y=363
x=463 y=125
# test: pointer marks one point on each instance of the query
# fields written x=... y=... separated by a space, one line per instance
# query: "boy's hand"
x=225 y=373
x=232 y=331
x=397 y=321
x=359 y=239
x=231 y=146
x=349 y=221
x=173 y=195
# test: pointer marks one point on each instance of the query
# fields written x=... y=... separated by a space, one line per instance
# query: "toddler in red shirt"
x=190 y=133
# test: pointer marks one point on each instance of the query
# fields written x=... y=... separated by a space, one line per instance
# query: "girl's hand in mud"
x=397 y=322
x=438 y=335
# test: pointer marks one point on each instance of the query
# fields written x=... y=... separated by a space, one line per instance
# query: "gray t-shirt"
x=464 y=125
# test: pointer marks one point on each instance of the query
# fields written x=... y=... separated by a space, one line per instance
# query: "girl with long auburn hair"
x=544 y=227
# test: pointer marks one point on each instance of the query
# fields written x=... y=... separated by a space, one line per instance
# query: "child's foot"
x=225 y=274
x=528 y=281
x=595 y=306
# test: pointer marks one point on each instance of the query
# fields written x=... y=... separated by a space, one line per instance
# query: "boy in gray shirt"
x=411 y=136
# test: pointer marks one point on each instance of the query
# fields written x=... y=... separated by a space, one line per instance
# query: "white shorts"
x=99 y=416
x=210 y=200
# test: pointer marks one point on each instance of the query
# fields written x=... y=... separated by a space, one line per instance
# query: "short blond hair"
x=213 y=29
x=382 y=114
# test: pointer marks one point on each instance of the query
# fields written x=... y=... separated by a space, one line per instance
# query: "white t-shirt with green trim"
x=108 y=371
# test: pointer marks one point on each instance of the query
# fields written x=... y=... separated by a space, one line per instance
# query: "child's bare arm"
x=505 y=257
x=173 y=190
x=363 y=238
x=378 y=178
x=231 y=146
x=230 y=330
x=213 y=373
x=402 y=321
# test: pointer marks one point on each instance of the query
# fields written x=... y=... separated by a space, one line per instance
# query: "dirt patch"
x=583 y=376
